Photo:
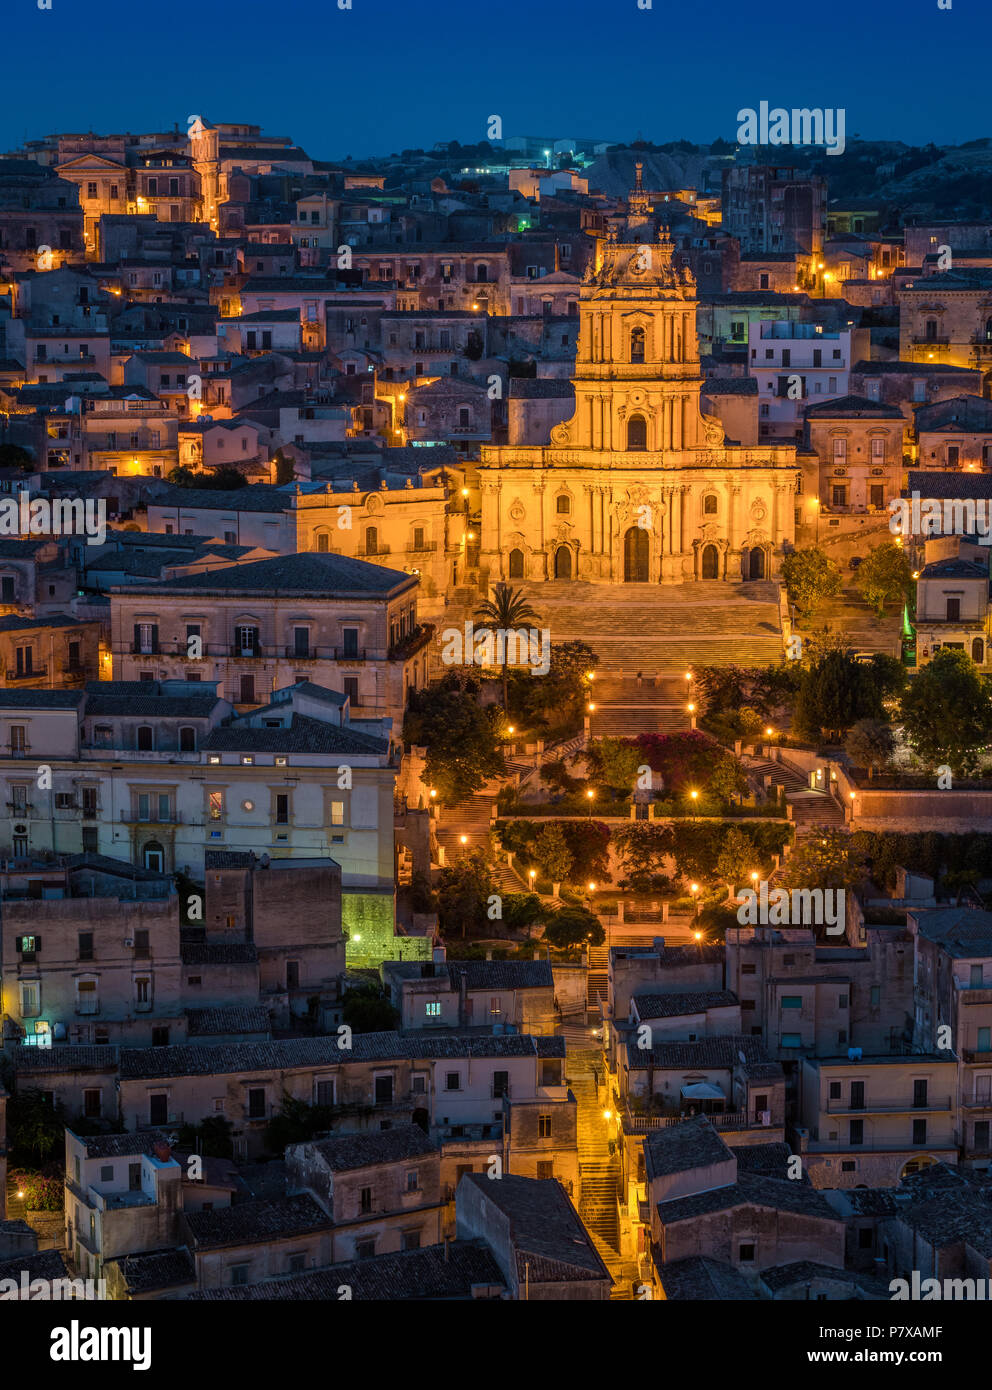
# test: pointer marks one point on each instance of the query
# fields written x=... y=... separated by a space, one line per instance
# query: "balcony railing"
x=921 y=341
x=843 y=1107
x=31 y=674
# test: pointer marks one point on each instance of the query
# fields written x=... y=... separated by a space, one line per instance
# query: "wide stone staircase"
x=597 y=980
x=810 y=807
x=470 y=818
x=664 y=628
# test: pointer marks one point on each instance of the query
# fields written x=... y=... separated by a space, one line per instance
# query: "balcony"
x=972 y=1055
x=932 y=1106
x=375 y=554
x=634 y=1123
x=349 y=654
x=413 y=642
x=240 y=651
x=33 y=673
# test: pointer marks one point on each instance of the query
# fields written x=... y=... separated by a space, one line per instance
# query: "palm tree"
x=507 y=609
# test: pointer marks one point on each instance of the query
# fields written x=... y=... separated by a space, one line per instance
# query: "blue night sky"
x=390 y=74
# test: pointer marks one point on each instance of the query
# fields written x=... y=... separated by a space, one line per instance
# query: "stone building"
x=638 y=486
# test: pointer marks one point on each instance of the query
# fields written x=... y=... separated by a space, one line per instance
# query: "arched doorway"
x=516 y=564
x=635 y=556
x=978 y=651
x=756 y=563
x=563 y=562
x=710 y=565
x=154 y=856
x=916 y=1165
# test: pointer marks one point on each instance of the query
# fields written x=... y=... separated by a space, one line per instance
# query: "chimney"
x=162 y=1150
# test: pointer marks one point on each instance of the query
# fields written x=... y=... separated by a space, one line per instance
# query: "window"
x=158 y=1110
x=371 y=540
x=384 y=1090
x=433 y=1008
x=91 y=1109
x=30 y=998
x=411 y=1240
x=834 y=1091
x=365 y=1200
x=953 y=610
x=563 y=505
x=301 y=641
x=350 y=684
x=637 y=434
x=747 y=969
x=546 y=1169
x=413 y=1180
x=364 y=1249
x=637 y=345
x=982 y=1136
x=544 y=1126
x=282 y=808
x=919 y=1131
x=216 y=805
x=791 y=1040
x=337 y=813
x=141 y=948
x=85 y=950
x=324 y=1092
x=501 y=1084
x=709 y=505
x=919 y=1095
x=87 y=998
x=856 y=1133
x=296 y=1264
x=452 y=1081
x=792 y=1001
x=256 y=1103
x=142 y=990
x=239 y=1275
x=745 y=1253
x=145 y=738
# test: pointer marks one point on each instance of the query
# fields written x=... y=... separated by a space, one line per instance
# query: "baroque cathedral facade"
x=639 y=486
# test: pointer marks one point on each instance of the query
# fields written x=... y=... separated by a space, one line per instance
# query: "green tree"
x=885 y=576
x=222 y=479
x=574 y=926
x=615 y=763
x=13 y=456
x=825 y=858
x=211 y=1137
x=367 y=1010
x=297 y=1123
x=553 y=854
x=947 y=712
x=35 y=1125
x=463 y=892
x=460 y=737
x=285 y=468
x=870 y=743
x=835 y=693
x=506 y=611
x=810 y=578
x=522 y=910
x=736 y=860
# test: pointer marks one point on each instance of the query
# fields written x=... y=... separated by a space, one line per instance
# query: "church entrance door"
x=563 y=562
x=711 y=562
x=756 y=564
x=635 y=556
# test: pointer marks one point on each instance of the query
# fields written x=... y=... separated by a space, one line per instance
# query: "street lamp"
x=590 y=797
x=695 y=797
x=463 y=839
x=694 y=890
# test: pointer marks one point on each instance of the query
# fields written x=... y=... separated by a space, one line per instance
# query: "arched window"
x=637 y=345
x=323 y=543
x=637 y=433
x=371 y=540
x=516 y=564
x=709 y=504
x=563 y=505
x=146 y=738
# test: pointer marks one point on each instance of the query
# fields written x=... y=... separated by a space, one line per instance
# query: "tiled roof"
x=247 y=1019
x=255 y=1222
x=767 y=1160
x=546 y=1232
x=327 y=576
x=304 y=735
x=729 y=386
x=651 y=1005
x=844 y=407
x=501 y=974
x=778 y=1277
x=701 y=1278
x=40 y=699
x=206 y=1059
x=121 y=1145
x=750 y=1190
x=64 y=1058
x=156 y=1269
x=39 y=1264
x=346 y=1151
x=435 y=1272
x=679 y=1148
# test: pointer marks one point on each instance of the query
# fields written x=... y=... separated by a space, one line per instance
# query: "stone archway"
x=709 y=562
x=563 y=562
x=978 y=651
x=636 y=556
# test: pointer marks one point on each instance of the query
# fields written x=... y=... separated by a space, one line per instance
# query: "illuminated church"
x=639 y=486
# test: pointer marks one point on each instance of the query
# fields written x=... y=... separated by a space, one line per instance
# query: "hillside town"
x=495 y=717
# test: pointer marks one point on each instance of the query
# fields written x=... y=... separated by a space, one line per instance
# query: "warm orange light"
x=590 y=795
x=693 y=887
x=464 y=839
x=694 y=795
x=592 y=888
x=691 y=708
